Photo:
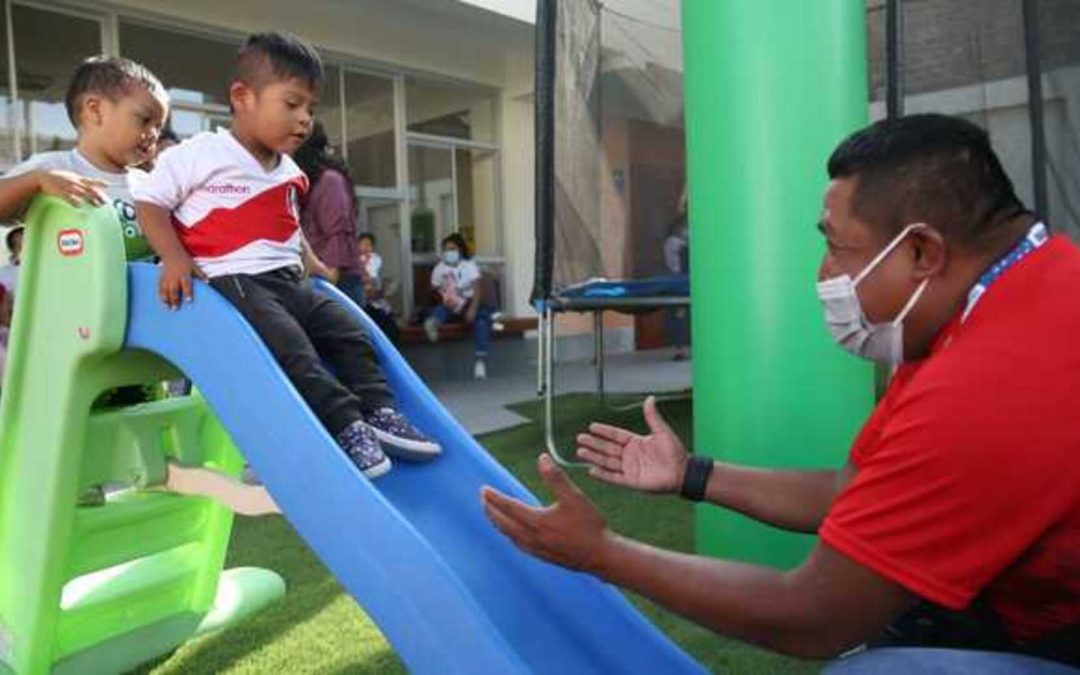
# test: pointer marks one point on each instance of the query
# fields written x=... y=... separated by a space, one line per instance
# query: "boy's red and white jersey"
x=232 y=215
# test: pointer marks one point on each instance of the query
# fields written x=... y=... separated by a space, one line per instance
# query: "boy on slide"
x=223 y=206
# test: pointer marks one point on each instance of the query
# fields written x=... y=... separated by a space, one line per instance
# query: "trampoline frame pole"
x=598 y=348
x=549 y=394
x=541 y=382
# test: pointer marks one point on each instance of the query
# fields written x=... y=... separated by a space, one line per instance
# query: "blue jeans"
x=677 y=326
x=932 y=661
x=481 y=328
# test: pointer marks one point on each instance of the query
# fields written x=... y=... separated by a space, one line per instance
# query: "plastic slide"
x=413 y=547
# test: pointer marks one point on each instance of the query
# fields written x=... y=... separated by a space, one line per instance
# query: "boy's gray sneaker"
x=362 y=447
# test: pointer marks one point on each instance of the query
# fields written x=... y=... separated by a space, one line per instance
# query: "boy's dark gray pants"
x=320 y=347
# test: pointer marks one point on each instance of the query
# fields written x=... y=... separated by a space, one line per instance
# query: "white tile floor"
x=480 y=405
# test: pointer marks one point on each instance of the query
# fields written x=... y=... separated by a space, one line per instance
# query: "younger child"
x=9 y=274
x=225 y=206
x=118 y=108
x=456 y=281
x=375 y=303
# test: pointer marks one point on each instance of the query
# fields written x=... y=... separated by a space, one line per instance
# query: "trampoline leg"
x=598 y=351
x=549 y=394
x=541 y=328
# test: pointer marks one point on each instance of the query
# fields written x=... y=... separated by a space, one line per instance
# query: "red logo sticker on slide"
x=70 y=242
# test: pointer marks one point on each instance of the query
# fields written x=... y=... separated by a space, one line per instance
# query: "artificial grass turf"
x=317 y=628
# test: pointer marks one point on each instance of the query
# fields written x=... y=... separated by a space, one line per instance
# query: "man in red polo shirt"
x=954 y=529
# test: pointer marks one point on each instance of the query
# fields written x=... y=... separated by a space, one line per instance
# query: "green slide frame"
x=771 y=87
x=101 y=587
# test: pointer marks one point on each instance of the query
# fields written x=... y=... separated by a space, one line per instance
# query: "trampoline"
x=610 y=152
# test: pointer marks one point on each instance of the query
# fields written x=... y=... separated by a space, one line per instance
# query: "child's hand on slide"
x=174 y=284
x=71 y=187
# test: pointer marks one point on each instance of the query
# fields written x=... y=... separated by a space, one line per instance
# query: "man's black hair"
x=109 y=76
x=370 y=236
x=270 y=56
x=928 y=168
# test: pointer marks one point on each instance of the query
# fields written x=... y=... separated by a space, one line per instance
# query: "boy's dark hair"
x=927 y=168
x=369 y=236
x=266 y=57
x=110 y=76
x=456 y=239
x=167 y=134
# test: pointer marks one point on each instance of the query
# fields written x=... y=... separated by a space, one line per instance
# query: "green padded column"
x=771 y=87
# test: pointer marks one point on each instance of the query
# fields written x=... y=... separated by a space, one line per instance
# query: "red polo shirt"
x=968 y=471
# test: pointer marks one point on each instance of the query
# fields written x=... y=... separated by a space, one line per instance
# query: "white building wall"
x=434 y=37
x=518 y=170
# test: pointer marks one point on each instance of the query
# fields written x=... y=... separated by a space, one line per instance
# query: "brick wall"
x=953 y=43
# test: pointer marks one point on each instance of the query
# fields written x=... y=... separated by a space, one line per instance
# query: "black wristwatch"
x=698 y=470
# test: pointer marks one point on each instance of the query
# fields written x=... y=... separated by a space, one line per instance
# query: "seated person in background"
x=375 y=303
x=224 y=205
x=9 y=274
x=456 y=282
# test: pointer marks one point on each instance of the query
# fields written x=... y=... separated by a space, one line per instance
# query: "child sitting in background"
x=456 y=281
x=225 y=206
x=375 y=303
x=9 y=274
x=118 y=108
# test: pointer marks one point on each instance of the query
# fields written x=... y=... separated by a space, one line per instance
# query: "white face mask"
x=451 y=256
x=881 y=342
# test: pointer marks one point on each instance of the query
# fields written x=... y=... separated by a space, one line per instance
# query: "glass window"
x=369 y=123
x=329 y=112
x=450 y=110
x=43 y=71
x=431 y=196
x=7 y=111
x=194 y=69
x=475 y=172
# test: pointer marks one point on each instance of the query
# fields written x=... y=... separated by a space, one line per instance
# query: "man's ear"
x=929 y=251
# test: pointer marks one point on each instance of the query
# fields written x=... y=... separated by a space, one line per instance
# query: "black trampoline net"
x=971 y=59
x=618 y=178
x=618 y=140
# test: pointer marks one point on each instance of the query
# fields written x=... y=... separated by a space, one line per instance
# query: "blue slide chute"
x=413 y=547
